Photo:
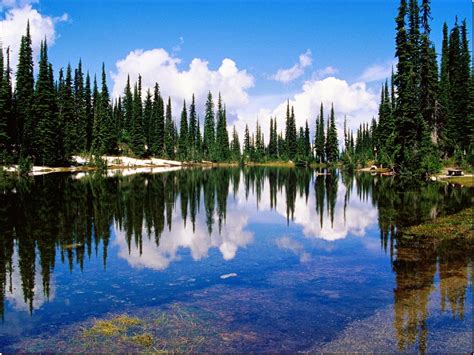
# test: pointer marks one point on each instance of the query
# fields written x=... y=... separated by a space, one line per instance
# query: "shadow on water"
x=61 y=218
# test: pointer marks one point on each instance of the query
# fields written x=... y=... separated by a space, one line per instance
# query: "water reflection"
x=154 y=216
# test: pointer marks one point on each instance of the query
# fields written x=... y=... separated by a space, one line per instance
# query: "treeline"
x=47 y=121
x=295 y=144
x=427 y=113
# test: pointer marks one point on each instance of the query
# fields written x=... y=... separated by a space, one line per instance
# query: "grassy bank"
x=458 y=225
x=466 y=181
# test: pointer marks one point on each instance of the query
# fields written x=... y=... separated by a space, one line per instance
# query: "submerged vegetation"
x=453 y=226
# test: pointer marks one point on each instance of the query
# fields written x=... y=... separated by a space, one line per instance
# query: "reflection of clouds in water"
x=297 y=248
x=199 y=242
x=16 y=297
x=359 y=215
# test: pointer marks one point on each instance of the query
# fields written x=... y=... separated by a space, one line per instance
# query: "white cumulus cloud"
x=355 y=101
x=157 y=65
x=13 y=27
x=297 y=70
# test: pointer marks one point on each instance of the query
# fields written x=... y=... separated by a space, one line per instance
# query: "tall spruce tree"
x=192 y=134
x=235 y=146
x=320 y=139
x=68 y=115
x=7 y=122
x=89 y=112
x=183 y=143
x=291 y=133
x=45 y=113
x=169 y=132
x=137 y=134
x=158 y=142
x=80 y=109
x=209 y=132
x=222 y=136
x=332 y=148
x=24 y=94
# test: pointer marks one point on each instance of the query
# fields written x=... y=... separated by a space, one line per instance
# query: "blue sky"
x=342 y=39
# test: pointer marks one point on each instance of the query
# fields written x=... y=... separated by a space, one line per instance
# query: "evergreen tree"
x=443 y=119
x=148 y=122
x=183 y=143
x=24 y=94
x=44 y=113
x=235 y=146
x=68 y=117
x=158 y=123
x=89 y=112
x=290 y=134
x=169 y=132
x=80 y=109
x=332 y=149
x=209 y=133
x=247 y=148
x=192 y=128
x=7 y=127
x=222 y=136
x=107 y=131
x=320 y=139
x=307 y=142
x=137 y=135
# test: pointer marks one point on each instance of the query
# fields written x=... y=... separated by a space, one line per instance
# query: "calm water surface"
x=257 y=259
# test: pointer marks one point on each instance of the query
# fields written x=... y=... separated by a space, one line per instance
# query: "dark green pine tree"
x=7 y=128
x=183 y=143
x=332 y=145
x=414 y=41
x=199 y=140
x=273 y=140
x=158 y=142
x=301 y=144
x=209 y=132
x=44 y=112
x=290 y=133
x=320 y=139
x=407 y=116
x=80 y=109
x=307 y=143
x=222 y=136
x=24 y=94
x=96 y=129
x=67 y=115
x=247 y=147
x=89 y=112
x=169 y=132
x=192 y=134
x=108 y=131
x=128 y=113
x=458 y=73
x=428 y=74
x=235 y=146
x=443 y=112
x=137 y=134
x=465 y=74
x=148 y=122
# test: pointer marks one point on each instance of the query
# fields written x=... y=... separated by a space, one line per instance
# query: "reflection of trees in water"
x=416 y=260
x=74 y=217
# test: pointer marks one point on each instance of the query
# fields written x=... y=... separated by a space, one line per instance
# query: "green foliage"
x=25 y=165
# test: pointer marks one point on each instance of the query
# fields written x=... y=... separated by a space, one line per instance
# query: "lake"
x=231 y=260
